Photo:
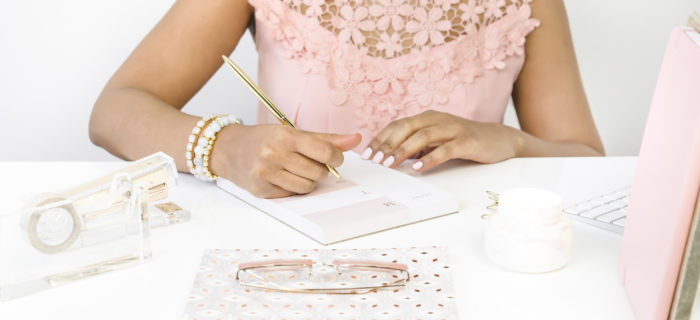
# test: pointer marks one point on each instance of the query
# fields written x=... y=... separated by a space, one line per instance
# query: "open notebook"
x=369 y=198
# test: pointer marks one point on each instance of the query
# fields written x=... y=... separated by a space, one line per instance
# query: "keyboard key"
x=611 y=216
x=575 y=209
x=581 y=206
x=623 y=192
x=599 y=201
x=620 y=222
x=619 y=204
x=609 y=198
x=597 y=211
x=587 y=205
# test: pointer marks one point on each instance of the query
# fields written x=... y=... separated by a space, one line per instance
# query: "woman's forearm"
x=132 y=123
x=528 y=145
x=269 y=161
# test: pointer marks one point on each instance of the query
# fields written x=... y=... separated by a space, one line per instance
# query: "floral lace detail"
x=394 y=58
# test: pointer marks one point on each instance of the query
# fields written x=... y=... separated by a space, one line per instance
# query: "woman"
x=412 y=76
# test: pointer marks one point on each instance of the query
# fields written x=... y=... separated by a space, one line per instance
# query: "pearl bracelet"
x=205 y=144
x=191 y=140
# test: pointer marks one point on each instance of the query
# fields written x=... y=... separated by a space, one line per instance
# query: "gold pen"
x=266 y=101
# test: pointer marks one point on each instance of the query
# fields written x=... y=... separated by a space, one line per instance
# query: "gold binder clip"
x=493 y=196
x=694 y=21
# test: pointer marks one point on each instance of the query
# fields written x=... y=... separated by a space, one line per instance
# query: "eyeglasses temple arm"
x=371 y=264
x=275 y=263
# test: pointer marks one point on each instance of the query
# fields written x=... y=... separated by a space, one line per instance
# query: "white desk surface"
x=587 y=288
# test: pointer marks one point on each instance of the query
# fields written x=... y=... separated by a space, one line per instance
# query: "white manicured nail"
x=378 y=157
x=389 y=161
x=367 y=153
x=416 y=166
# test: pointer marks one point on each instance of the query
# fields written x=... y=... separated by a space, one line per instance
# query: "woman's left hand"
x=446 y=136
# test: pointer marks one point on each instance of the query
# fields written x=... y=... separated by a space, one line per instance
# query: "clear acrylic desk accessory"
x=96 y=227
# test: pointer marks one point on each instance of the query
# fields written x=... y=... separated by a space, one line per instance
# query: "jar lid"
x=530 y=204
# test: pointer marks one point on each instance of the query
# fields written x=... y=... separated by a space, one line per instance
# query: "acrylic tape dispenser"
x=104 y=208
x=98 y=226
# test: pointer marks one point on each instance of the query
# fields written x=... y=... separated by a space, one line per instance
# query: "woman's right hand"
x=273 y=161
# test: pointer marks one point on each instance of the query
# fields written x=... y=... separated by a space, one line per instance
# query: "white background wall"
x=55 y=56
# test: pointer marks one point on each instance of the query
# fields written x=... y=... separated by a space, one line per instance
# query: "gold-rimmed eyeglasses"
x=336 y=277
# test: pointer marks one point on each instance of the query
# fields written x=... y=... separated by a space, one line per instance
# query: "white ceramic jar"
x=529 y=232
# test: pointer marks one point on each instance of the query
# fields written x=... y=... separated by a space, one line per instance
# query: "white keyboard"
x=608 y=211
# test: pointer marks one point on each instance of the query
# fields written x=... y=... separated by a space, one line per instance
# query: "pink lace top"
x=349 y=66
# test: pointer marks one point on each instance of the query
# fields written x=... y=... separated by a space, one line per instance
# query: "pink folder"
x=666 y=182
